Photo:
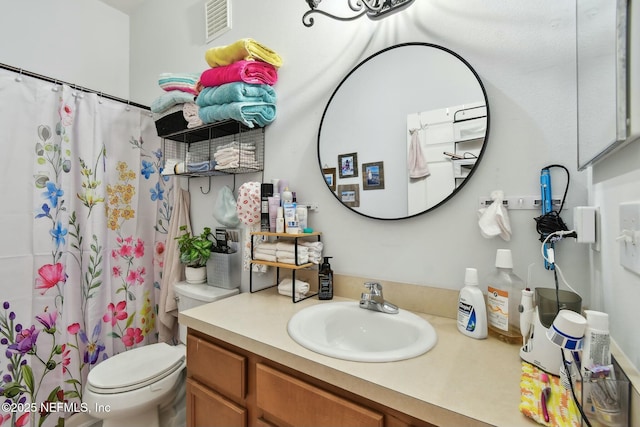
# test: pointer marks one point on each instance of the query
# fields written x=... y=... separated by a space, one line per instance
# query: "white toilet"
x=130 y=387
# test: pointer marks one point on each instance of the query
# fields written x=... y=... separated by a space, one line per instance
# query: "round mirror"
x=403 y=131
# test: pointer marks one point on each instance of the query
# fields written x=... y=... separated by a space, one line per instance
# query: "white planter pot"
x=195 y=275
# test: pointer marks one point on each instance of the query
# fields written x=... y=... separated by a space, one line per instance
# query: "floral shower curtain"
x=83 y=220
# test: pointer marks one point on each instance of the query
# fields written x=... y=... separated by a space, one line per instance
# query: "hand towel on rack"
x=494 y=220
x=246 y=48
x=254 y=72
x=285 y=287
x=236 y=92
x=249 y=113
x=418 y=167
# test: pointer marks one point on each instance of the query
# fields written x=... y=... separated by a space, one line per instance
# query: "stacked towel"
x=247 y=103
x=253 y=72
x=286 y=253
x=236 y=155
x=190 y=113
x=247 y=48
x=185 y=82
x=315 y=251
x=285 y=287
x=170 y=99
x=238 y=85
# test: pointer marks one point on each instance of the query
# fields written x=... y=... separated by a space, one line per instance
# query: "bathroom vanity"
x=244 y=369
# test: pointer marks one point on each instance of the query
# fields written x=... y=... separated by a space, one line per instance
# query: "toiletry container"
x=280 y=220
x=286 y=196
x=504 y=289
x=472 y=313
x=596 y=346
x=325 y=276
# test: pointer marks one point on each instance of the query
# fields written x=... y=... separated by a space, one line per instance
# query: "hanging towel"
x=173 y=270
x=418 y=167
x=236 y=92
x=494 y=220
x=249 y=113
x=254 y=72
x=242 y=49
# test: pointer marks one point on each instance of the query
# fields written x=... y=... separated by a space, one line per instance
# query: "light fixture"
x=374 y=9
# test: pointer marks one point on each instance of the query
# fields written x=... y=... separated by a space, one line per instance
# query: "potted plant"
x=195 y=251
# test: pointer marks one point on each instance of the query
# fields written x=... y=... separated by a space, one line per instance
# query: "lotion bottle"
x=472 y=313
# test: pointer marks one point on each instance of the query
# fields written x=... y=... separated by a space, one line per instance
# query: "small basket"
x=224 y=270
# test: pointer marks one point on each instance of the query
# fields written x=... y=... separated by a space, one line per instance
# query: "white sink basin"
x=345 y=331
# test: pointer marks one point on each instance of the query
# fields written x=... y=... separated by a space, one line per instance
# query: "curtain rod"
x=84 y=89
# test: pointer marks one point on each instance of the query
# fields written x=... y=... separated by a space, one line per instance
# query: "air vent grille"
x=218 y=18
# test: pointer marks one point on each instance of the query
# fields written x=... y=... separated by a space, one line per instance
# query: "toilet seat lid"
x=135 y=368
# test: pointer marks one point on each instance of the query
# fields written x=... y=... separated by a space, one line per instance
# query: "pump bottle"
x=504 y=289
x=472 y=313
x=325 y=276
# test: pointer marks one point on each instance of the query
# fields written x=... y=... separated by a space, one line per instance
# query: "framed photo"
x=349 y=194
x=348 y=164
x=330 y=177
x=373 y=176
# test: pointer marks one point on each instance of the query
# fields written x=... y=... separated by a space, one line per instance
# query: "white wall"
x=76 y=41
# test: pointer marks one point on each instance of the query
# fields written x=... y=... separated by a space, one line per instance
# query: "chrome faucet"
x=373 y=300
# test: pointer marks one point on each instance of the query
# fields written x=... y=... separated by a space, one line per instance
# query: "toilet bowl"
x=128 y=388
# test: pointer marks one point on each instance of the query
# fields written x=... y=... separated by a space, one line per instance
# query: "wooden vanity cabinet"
x=229 y=386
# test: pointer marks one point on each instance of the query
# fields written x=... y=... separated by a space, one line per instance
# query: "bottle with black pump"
x=325 y=276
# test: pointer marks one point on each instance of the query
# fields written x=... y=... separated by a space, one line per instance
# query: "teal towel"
x=236 y=92
x=249 y=113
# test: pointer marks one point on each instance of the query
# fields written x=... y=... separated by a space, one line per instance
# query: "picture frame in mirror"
x=348 y=164
x=373 y=176
x=330 y=177
x=349 y=194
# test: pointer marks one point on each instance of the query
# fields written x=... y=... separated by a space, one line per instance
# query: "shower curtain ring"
x=55 y=85
x=19 y=76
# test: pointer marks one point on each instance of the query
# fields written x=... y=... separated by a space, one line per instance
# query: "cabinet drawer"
x=216 y=367
x=207 y=408
x=297 y=403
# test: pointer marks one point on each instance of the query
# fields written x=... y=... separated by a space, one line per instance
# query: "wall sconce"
x=374 y=9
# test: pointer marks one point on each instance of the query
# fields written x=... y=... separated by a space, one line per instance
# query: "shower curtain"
x=83 y=224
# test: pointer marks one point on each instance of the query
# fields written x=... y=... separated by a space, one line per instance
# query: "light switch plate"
x=629 y=236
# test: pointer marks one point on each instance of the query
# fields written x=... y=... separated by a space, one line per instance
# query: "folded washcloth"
x=185 y=82
x=317 y=246
x=266 y=245
x=285 y=287
x=190 y=112
x=560 y=407
x=291 y=247
x=238 y=165
x=201 y=166
x=236 y=144
x=249 y=113
x=265 y=251
x=264 y=257
x=246 y=48
x=289 y=258
x=255 y=72
x=169 y=99
x=236 y=92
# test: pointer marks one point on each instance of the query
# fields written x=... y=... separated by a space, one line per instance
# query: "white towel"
x=265 y=257
x=289 y=258
x=494 y=219
x=291 y=247
x=285 y=287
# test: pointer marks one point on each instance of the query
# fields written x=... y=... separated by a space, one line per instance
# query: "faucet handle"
x=374 y=287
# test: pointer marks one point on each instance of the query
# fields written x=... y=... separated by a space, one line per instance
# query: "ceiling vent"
x=218 y=18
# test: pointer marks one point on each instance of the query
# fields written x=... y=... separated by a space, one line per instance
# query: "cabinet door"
x=207 y=408
x=217 y=368
x=293 y=402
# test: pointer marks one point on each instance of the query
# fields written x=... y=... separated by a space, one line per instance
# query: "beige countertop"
x=461 y=381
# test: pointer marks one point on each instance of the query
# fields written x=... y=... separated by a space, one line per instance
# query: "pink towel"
x=418 y=167
x=253 y=72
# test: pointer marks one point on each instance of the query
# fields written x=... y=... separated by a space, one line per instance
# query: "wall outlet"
x=630 y=236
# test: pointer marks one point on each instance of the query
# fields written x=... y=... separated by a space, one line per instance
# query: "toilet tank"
x=189 y=295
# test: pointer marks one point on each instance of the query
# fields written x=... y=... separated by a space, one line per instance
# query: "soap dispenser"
x=325 y=278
